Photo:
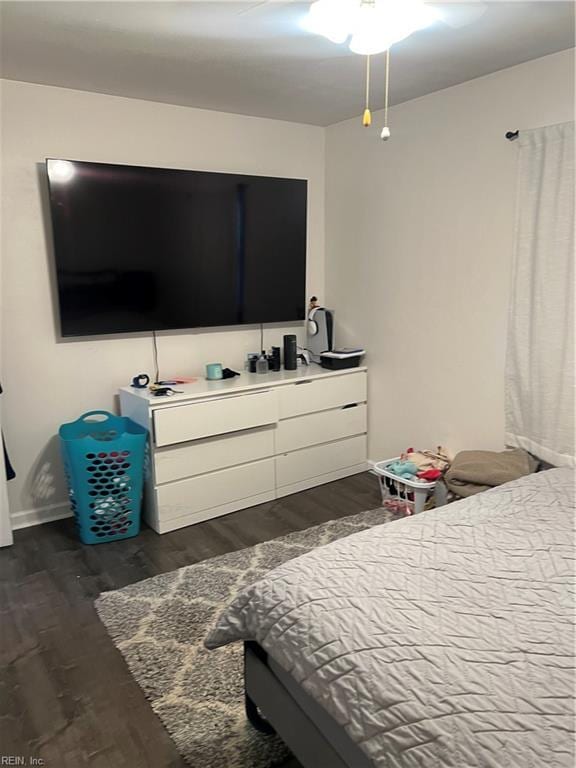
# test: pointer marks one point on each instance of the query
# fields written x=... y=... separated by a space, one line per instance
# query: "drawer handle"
x=308 y=381
x=228 y=396
x=350 y=405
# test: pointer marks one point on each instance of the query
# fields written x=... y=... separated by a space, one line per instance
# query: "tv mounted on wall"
x=142 y=249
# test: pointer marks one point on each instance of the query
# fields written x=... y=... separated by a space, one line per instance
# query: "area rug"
x=159 y=625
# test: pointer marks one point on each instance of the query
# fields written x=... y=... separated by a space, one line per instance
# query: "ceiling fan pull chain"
x=385 y=134
x=367 y=116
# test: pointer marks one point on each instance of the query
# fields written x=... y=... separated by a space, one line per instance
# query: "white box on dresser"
x=225 y=445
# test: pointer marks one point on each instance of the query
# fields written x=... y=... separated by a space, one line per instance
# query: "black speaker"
x=290 y=360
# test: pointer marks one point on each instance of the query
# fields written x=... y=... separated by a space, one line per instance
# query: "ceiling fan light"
x=412 y=14
x=330 y=18
x=379 y=25
x=367 y=31
x=367 y=44
x=372 y=31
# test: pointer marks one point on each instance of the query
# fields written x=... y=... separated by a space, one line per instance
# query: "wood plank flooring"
x=66 y=695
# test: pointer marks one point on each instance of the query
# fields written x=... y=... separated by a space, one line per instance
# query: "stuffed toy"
x=404 y=469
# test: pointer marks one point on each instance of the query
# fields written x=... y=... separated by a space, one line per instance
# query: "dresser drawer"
x=320 y=460
x=180 y=423
x=323 y=427
x=176 y=462
x=187 y=497
x=320 y=394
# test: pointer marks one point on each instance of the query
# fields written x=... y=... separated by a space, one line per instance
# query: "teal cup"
x=214 y=371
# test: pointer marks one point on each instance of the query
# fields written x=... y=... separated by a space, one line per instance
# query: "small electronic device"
x=340 y=359
x=320 y=332
x=303 y=356
x=290 y=347
x=159 y=391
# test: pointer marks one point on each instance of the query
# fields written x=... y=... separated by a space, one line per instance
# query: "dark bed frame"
x=275 y=703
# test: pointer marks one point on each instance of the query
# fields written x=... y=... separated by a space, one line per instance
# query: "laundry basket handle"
x=108 y=416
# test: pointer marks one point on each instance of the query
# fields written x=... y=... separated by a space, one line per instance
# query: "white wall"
x=47 y=381
x=419 y=235
x=418 y=251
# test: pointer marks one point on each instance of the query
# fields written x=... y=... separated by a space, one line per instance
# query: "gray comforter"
x=440 y=640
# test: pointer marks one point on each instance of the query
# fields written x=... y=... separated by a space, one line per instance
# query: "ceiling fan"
x=374 y=26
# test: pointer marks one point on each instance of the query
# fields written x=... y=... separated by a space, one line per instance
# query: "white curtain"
x=5 y=523
x=540 y=375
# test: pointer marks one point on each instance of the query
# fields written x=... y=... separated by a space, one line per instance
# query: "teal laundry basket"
x=104 y=465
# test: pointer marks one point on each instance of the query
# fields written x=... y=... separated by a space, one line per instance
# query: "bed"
x=445 y=639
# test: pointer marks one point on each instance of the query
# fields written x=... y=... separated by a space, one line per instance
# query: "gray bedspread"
x=440 y=640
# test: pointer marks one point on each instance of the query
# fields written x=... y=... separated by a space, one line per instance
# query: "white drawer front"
x=319 y=460
x=321 y=394
x=217 y=416
x=315 y=428
x=200 y=456
x=186 y=497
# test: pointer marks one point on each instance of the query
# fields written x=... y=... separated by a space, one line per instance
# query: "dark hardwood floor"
x=67 y=697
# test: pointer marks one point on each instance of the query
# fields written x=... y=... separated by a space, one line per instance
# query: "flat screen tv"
x=142 y=249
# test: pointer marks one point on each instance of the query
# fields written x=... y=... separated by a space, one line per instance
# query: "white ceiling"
x=253 y=57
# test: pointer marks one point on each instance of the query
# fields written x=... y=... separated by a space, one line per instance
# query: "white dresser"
x=221 y=446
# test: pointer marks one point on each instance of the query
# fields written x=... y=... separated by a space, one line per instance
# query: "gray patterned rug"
x=159 y=625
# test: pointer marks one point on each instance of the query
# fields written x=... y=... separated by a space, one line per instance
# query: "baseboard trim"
x=26 y=518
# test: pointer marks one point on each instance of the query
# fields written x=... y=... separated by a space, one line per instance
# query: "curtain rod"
x=512 y=135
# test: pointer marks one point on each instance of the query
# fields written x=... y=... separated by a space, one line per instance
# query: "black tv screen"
x=142 y=249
